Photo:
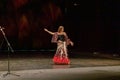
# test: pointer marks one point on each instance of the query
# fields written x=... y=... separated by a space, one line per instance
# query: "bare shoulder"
x=64 y=33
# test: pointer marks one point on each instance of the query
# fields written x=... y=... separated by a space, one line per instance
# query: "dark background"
x=93 y=25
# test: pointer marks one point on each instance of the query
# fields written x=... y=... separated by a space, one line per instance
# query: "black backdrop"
x=93 y=25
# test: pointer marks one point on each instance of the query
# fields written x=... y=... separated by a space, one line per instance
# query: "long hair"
x=60 y=29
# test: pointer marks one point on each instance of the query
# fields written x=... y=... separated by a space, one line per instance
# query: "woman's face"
x=61 y=29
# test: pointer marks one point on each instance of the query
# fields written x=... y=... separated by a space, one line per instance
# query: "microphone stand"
x=9 y=50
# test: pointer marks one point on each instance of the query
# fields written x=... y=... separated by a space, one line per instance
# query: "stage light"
x=76 y=4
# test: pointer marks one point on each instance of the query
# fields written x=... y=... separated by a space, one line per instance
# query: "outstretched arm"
x=52 y=33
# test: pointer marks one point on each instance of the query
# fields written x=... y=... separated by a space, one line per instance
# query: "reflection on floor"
x=39 y=66
x=41 y=62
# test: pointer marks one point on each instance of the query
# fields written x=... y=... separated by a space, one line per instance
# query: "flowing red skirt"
x=59 y=60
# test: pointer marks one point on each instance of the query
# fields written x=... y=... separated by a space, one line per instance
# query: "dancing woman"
x=60 y=37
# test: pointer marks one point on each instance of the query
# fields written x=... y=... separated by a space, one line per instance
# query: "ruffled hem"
x=59 y=60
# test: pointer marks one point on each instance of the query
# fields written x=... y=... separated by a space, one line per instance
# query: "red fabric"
x=19 y=3
x=59 y=60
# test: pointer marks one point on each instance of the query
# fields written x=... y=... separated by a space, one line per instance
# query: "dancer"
x=60 y=37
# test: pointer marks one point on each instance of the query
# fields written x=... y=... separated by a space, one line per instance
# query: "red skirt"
x=59 y=60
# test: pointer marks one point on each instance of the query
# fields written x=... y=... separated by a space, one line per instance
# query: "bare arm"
x=52 y=33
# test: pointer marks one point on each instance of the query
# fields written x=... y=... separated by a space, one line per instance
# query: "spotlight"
x=76 y=4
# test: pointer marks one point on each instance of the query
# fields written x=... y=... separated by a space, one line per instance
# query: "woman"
x=60 y=37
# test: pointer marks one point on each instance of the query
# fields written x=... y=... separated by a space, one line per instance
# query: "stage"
x=39 y=66
x=80 y=73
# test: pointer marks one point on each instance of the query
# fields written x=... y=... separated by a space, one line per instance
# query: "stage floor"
x=46 y=63
x=43 y=60
x=42 y=68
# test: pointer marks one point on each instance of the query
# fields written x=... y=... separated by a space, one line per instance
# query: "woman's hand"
x=45 y=29
x=71 y=43
x=52 y=33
